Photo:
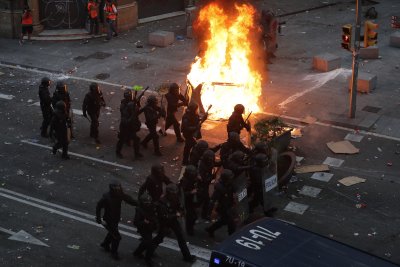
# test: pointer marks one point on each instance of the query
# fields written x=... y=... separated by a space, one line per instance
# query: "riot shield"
x=241 y=198
x=270 y=180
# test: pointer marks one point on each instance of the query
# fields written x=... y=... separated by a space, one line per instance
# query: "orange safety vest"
x=110 y=12
x=27 y=19
x=92 y=8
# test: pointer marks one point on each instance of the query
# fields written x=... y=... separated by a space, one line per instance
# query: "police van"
x=271 y=242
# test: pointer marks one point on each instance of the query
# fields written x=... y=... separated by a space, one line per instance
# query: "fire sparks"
x=227 y=64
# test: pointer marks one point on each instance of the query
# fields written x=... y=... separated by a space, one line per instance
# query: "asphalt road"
x=28 y=170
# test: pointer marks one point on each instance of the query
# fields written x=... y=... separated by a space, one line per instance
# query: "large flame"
x=226 y=65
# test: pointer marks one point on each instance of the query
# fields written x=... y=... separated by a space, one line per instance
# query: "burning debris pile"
x=229 y=64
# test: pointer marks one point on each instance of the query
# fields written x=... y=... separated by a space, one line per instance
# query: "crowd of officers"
x=157 y=209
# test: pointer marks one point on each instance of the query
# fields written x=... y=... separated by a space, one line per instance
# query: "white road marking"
x=81 y=156
x=334 y=162
x=319 y=80
x=23 y=236
x=267 y=113
x=7 y=97
x=201 y=253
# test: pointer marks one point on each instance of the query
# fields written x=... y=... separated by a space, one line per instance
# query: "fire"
x=227 y=65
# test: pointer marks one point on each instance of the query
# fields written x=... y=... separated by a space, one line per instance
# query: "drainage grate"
x=80 y=58
x=100 y=55
x=371 y=109
x=102 y=76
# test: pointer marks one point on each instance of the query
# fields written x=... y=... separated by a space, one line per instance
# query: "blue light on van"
x=216 y=261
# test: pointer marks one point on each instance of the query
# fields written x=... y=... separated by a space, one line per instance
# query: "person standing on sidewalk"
x=111 y=17
x=93 y=8
x=27 y=24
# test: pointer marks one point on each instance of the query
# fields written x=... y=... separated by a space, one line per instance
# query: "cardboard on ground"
x=312 y=168
x=351 y=180
x=342 y=147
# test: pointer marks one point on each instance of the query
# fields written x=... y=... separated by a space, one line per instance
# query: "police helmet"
x=46 y=81
x=233 y=137
x=239 y=108
x=61 y=87
x=193 y=106
x=152 y=100
x=157 y=170
x=209 y=155
x=261 y=159
x=237 y=156
x=94 y=88
x=190 y=171
x=202 y=145
x=174 y=88
x=128 y=94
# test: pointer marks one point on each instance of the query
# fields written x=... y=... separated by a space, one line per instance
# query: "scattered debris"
x=322 y=176
x=361 y=205
x=351 y=180
x=354 y=137
x=389 y=164
x=379 y=149
x=342 y=147
x=356 y=234
x=294 y=179
x=296 y=133
x=334 y=162
x=73 y=247
x=312 y=168
x=20 y=172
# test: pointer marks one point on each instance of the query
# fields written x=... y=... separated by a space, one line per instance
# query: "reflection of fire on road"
x=230 y=63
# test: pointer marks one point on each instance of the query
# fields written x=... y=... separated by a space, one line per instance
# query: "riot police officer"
x=224 y=196
x=146 y=222
x=111 y=203
x=59 y=126
x=61 y=94
x=205 y=168
x=169 y=211
x=154 y=182
x=191 y=123
x=174 y=100
x=92 y=103
x=197 y=152
x=236 y=122
x=255 y=189
x=45 y=105
x=152 y=112
x=236 y=163
x=233 y=144
x=189 y=188
x=128 y=128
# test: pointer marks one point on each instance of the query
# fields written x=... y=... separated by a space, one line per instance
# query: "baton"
x=249 y=116
x=88 y=119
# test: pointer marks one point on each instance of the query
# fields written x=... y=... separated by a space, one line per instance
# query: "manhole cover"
x=102 y=76
x=100 y=55
x=80 y=58
x=371 y=109
x=139 y=65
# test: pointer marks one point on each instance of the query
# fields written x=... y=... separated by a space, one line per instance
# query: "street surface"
x=54 y=200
